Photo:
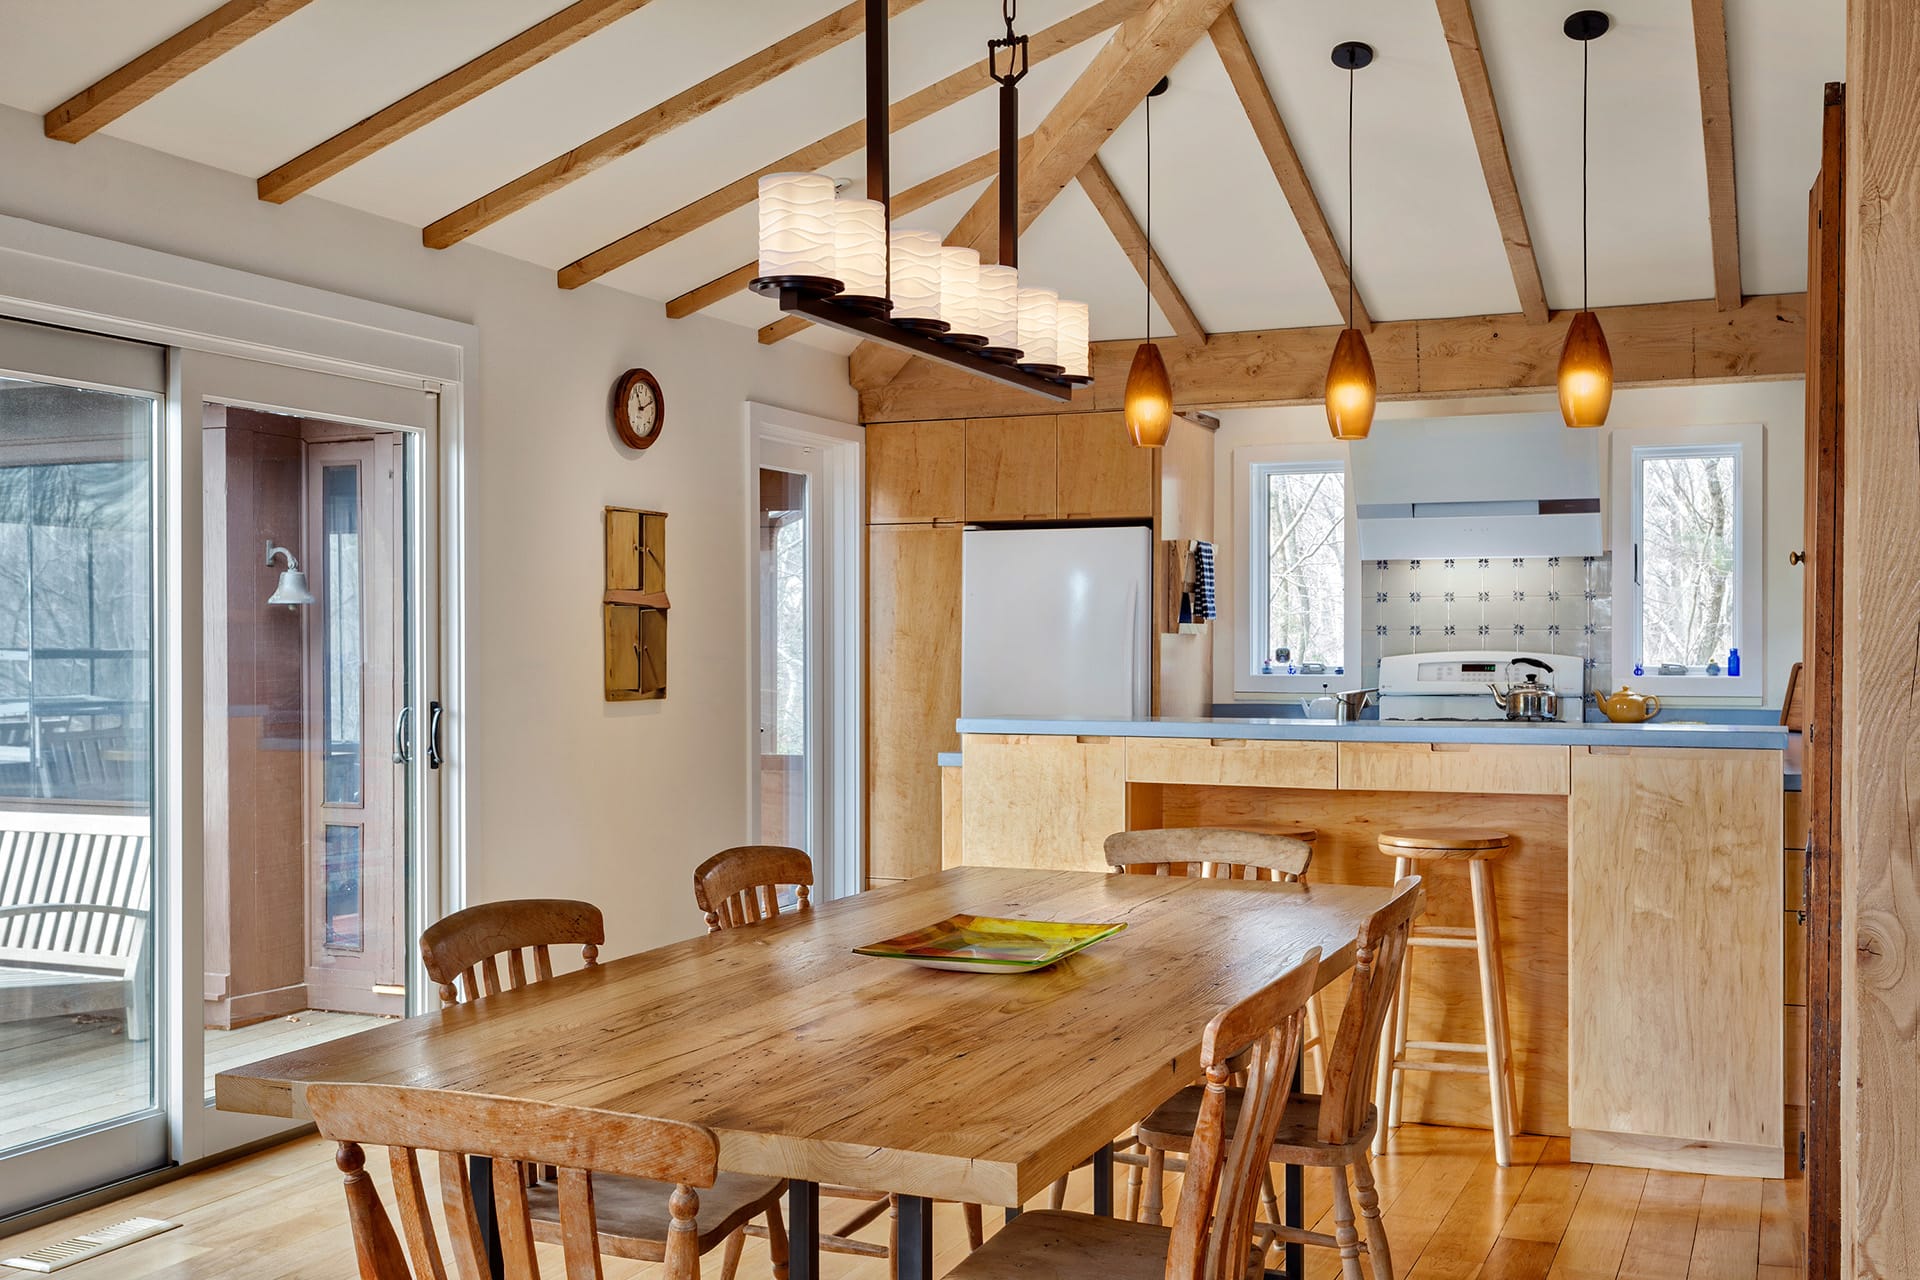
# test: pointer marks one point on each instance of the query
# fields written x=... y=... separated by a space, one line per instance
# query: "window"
x=1688 y=560
x=1299 y=622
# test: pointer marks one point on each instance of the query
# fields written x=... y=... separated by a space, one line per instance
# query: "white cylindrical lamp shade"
x=1039 y=327
x=960 y=289
x=915 y=285
x=796 y=225
x=1071 y=321
x=1000 y=307
x=860 y=247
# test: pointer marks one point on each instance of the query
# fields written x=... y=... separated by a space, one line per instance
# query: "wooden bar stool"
x=1475 y=847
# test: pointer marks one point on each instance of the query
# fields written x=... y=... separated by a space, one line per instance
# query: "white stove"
x=1455 y=686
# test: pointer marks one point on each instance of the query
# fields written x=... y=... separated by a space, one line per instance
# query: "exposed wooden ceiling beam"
x=1670 y=342
x=918 y=196
x=630 y=135
x=1470 y=68
x=1098 y=184
x=703 y=296
x=742 y=191
x=172 y=60
x=429 y=102
x=1716 y=119
x=1113 y=86
x=1230 y=39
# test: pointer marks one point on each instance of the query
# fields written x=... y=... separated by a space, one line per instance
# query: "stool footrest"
x=1447 y=1046
x=1445 y=1068
x=1468 y=943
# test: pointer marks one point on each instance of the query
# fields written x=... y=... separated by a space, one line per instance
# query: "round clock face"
x=638 y=408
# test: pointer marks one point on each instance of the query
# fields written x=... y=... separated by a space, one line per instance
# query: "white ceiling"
x=1427 y=241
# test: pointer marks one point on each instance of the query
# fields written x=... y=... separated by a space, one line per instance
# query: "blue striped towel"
x=1203 y=603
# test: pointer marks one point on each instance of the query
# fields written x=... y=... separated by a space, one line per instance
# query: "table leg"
x=1294 y=1211
x=1103 y=1180
x=480 y=1183
x=915 y=1258
x=803 y=1230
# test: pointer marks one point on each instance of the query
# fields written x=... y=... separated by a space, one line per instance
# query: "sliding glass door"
x=80 y=926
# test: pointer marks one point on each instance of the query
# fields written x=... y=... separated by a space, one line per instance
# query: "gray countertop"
x=1743 y=736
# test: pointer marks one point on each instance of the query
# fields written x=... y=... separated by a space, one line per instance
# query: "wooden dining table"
x=817 y=1065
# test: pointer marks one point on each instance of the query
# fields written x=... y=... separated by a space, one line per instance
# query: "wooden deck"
x=1450 y=1212
x=62 y=1074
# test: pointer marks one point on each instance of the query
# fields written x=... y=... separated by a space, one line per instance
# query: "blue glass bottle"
x=1639 y=670
x=1733 y=662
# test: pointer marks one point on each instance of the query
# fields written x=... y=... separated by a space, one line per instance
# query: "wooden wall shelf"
x=634 y=606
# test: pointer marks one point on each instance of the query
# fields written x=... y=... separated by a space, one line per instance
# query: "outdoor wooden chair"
x=462 y=955
x=748 y=885
x=1214 y=1234
x=1331 y=1129
x=589 y=1148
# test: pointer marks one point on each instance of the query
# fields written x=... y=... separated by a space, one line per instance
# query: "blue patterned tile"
x=1484 y=629
x=1379 y=631
x=1413 y=597
x=1519 y=629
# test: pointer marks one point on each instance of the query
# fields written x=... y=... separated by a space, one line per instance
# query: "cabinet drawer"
x=1473 y=767
x=1233 y=762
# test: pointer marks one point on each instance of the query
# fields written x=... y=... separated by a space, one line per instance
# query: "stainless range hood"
x=1503 y=485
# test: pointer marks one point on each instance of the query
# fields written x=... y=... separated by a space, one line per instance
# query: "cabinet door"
x=1233 y=762
x=1103 y=474
x=1674 y=959
x=914 y=471
x=1045 y=802
x=1477 y=768
x=1010 y=468
x=913 y=683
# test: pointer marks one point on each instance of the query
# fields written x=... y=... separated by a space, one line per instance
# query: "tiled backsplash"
x=1546 y=604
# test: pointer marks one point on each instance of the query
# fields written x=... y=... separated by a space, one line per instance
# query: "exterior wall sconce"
x=292 y=590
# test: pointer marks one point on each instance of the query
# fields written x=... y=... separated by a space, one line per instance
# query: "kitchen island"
x=1641 y=906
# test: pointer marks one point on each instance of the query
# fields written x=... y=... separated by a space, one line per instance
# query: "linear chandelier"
x=838 y=262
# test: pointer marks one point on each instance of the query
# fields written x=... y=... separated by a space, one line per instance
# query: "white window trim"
x=1249 y=465
x=1748 y=578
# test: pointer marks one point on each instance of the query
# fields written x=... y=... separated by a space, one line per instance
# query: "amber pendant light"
x=1586 y=366
x=1149 y=399
x=1352 y=389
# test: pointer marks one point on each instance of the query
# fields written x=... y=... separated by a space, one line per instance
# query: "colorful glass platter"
x=985 y=944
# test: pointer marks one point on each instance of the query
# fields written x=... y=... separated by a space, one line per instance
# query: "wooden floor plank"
x=1596 y=1235
x=1726 y=1241
x=1459 y=1246
x=1544 y=1208
x=1660 y=1245
x=1783 y=1225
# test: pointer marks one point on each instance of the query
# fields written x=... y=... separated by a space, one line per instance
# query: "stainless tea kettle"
x=1529 y=700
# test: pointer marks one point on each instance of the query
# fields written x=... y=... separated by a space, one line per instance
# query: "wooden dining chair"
x=462 y=954
x=462 y=951
x=752 y=882
x=1213 y=1234
x=588 y=1147
x=1214 y=853
x=1333 y=1128
x=748 y=885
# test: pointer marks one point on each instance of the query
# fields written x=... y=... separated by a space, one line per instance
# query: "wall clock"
x=639 y=410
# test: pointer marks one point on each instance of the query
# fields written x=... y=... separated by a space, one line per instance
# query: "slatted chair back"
x=1225 y=853
x=466 y=945
x=1226 y=1171
x=744 y=885
x=85 y=764
x=519 y=1136
x=76 y=890
x=1354 y=1060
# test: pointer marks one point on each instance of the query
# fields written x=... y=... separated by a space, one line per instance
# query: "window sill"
x=1740 y=686
x=1331 y=682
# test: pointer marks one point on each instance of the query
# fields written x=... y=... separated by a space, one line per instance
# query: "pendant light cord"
x=1146 y=273
x=1586 y=47
x=1350 y=218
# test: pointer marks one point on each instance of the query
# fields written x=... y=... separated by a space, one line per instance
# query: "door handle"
x=434 y=758
x=402 y=749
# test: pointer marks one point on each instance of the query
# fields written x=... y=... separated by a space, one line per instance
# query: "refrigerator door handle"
x=1136 y=668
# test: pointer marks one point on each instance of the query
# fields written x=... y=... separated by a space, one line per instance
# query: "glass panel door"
x=786 y=658
x=310 y=709
x=79 y=884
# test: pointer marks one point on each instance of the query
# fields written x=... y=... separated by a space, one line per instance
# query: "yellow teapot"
x=1628 y=707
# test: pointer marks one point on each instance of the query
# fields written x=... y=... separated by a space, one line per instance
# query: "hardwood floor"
x=1450 y=1212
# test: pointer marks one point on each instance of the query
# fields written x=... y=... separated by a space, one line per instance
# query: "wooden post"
x=1880 y=677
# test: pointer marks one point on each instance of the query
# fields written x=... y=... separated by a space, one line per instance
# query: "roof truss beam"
x=1716 y=120
x=167 y=63
x=1476 y=89
x=1112 y=206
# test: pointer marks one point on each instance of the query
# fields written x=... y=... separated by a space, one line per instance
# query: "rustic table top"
x=815 y=1063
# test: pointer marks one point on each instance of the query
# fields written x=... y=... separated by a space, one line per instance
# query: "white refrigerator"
x=1054 y=623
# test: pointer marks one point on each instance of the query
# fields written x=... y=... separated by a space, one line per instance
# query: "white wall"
x=569 y=795
x=1779 y=406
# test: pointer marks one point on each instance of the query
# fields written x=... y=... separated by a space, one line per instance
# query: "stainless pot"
x=1528 y=700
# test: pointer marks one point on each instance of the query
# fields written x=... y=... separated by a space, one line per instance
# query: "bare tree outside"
x=1306 y=565
x=1688 y=507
